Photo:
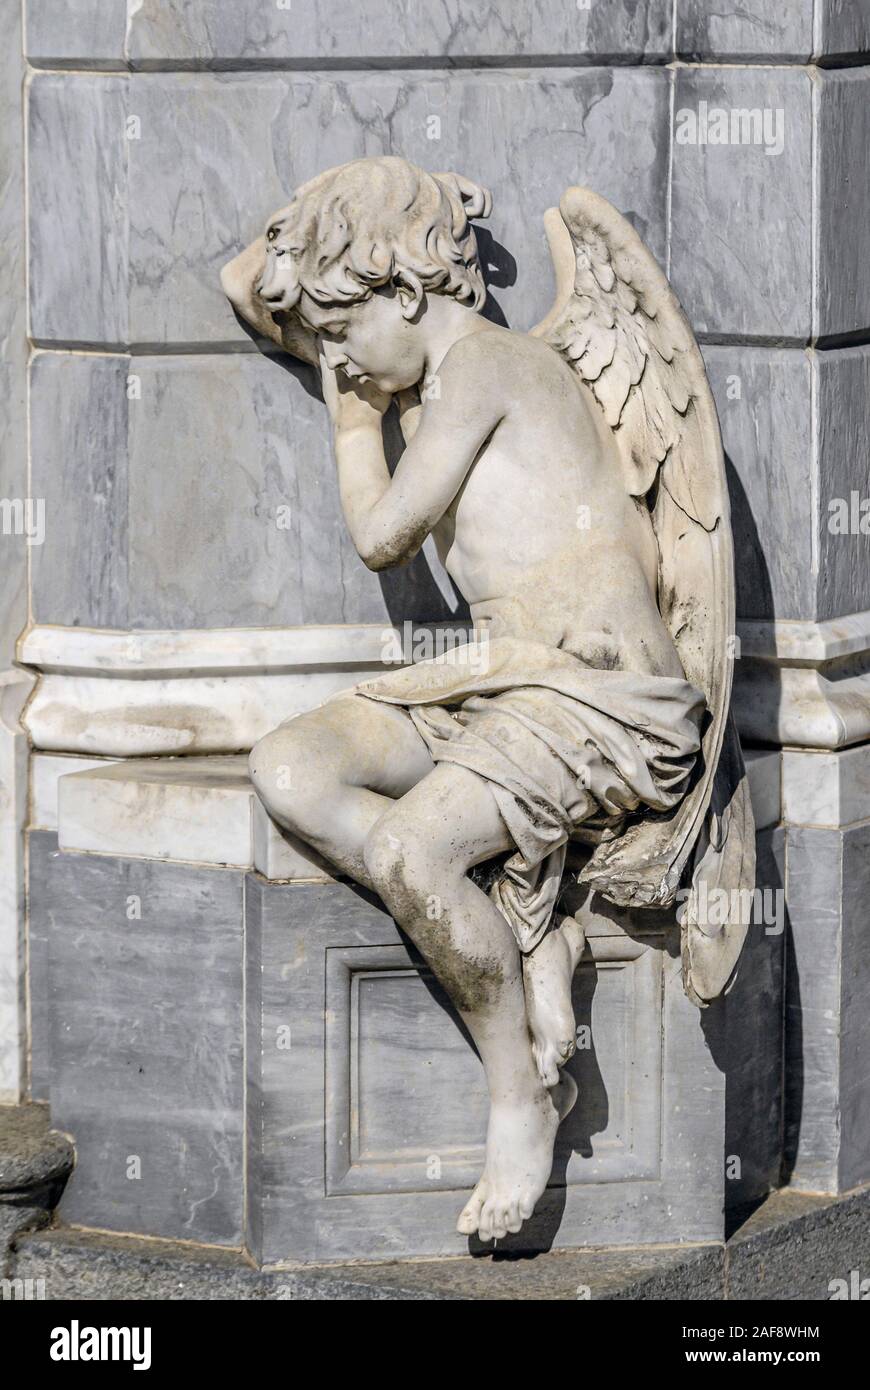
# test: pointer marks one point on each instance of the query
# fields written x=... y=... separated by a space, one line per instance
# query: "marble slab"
x=752 y=29
x=827 y=1115
x=196 y=810
x=826 y=788
x=842 y=201
x=741 y=245
x=46 y=769
x=358 y=1147
x=177 y=199
x=142 y=1010
x=154 y=33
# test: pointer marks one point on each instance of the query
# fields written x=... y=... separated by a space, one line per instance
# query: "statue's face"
x=369 y=341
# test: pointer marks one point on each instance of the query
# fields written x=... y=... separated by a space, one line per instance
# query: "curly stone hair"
x=380 y=221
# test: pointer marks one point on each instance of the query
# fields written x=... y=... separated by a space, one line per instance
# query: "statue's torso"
x=543 y=540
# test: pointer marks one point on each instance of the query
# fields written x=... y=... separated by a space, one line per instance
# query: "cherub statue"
x=573 y=481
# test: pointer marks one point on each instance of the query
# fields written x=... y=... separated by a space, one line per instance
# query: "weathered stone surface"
x=792 y=476
x=83 y=1266
x=402 y=1138
x=797 y=1246
x=844 y=29
x=792 y=1247
x=13 y=340
x=827 y=1116
x=35 y=1162
x=80 y=467
x=753 y=1010
x=78 y=245
x=145 y=1023
x=708 y=29
x=252 y=445
x=843 y=448
x=842 y=204
x=195 y=193
x=741 y=243
x=763 y=397
x=392 y=31
x=76 y=33
x=825 y=788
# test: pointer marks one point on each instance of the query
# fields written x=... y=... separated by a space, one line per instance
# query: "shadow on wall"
x=411 y=592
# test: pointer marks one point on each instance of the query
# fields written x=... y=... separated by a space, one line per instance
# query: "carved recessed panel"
x=405 y=1092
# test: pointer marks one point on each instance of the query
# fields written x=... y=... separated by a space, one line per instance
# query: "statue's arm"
x=389 y=518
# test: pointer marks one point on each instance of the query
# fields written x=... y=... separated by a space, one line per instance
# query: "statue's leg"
x=548 y=974
x=328 y=775
x=418 y=856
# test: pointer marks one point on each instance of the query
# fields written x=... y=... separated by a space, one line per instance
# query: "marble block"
x=178 y=198
x=248 y=33
x=46 y=770
x=826 y=788
x=827 y=1020
x=752 y=29
x=755 y=1039
x=138 y=1023
x=793 y=424
x=14 y=346
x=373 y=1162
x=365 y=1104
x=764 y=769
x=842 y=201
x=195 y=810
x=741 y=218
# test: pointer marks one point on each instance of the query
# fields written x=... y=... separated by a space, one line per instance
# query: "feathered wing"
x=620 y=326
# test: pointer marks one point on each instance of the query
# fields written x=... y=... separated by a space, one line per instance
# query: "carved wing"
x=620 y=326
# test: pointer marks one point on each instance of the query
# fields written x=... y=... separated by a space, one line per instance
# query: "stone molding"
x=110 y=693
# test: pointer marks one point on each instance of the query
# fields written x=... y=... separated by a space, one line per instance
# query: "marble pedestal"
x=826 y=797
x=269 y=1064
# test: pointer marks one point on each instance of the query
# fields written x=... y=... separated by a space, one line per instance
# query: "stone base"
x=268 y=1064
x=361 y=1122
x=793 y=1247
x=35 y=1163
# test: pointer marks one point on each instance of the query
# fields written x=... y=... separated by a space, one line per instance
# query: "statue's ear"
x=477 y=201
x=239 y=280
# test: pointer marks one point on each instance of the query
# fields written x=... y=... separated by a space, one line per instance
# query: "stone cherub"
x=572 y=479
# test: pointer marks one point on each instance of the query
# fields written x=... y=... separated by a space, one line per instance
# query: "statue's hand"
x=352 y=404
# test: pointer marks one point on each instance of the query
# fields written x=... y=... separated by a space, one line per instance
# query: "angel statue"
x=573 y=481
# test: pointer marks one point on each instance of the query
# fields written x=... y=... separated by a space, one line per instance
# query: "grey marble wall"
x=165 y=446
x=139 y=1038
x=13 y=341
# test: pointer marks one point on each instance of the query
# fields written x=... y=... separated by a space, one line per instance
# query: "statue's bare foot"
x=547 y=976
x=519 y=1158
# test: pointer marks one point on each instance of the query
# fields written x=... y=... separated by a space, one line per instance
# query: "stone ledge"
x=86 y=1265
x=184 y=810
x=205 y=811
x=30 y=1153
x=35 y=1162
x=792 y=1247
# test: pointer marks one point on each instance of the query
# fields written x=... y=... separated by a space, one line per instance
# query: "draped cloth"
x=568 y=750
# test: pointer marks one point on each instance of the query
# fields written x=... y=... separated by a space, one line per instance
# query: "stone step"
x=85 y=1265
x=205 y=811
x=793 y=1246
x=183 y=810
x=35 y=1162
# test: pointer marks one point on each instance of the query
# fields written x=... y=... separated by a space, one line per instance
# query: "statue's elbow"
x=385 y=554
